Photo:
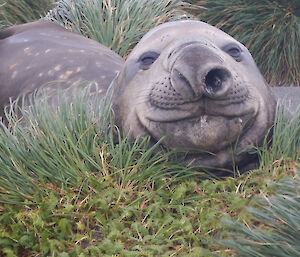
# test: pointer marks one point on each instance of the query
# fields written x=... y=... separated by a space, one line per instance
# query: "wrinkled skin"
x=199 y=86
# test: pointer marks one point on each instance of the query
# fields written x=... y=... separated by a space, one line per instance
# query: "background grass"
x=116 y=24
x=14 y=12
x=68 y=189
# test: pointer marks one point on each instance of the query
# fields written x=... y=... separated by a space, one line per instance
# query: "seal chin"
x=196 y=133
x=208 y=141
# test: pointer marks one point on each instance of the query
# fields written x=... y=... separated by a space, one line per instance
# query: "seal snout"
x=198 y=70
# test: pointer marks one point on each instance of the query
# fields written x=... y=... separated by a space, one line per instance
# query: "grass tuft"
x=285 y=145
x=68 y=145
x=116 y=24
x=14 y=12
x=274 y=227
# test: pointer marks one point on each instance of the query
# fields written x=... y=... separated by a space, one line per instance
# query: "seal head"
x=199 y=86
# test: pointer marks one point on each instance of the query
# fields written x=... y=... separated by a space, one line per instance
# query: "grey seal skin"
x=197 y=84
x=41 y=52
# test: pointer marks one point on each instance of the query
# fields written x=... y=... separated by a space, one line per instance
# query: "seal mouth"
x=196 y=124
x=196 y=133
x=168 y=106
x=163 y=96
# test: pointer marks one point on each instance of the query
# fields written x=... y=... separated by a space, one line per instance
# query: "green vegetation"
x=117 y=24
x=68 y=189
x=274 y=228
x=269 y=28
x=14 y=12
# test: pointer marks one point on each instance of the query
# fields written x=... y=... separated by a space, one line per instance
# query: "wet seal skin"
x=184 y=79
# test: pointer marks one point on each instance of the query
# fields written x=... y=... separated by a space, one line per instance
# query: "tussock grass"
x=269 y=28
x=116 y=24
x=14 y=12
x=285 y=140
x=67 y=145
x=68 y=188
x=274 y=227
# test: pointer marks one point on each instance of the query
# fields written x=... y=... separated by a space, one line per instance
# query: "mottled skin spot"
x=14 y=74
x=57 y=67
x=79 y=69
x=12 y=66
x=66 y=75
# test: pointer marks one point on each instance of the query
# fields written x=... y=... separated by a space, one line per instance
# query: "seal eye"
x=147 y=59
x=234 y=51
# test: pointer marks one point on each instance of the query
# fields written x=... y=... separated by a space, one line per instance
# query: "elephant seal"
x=185 y=79
x=202 y=88
x=40 y=52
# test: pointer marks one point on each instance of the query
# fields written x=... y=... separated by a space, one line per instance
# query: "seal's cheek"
x=131 y=94
x=127 y=74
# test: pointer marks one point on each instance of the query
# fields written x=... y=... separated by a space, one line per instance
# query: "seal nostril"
x=215 y=80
